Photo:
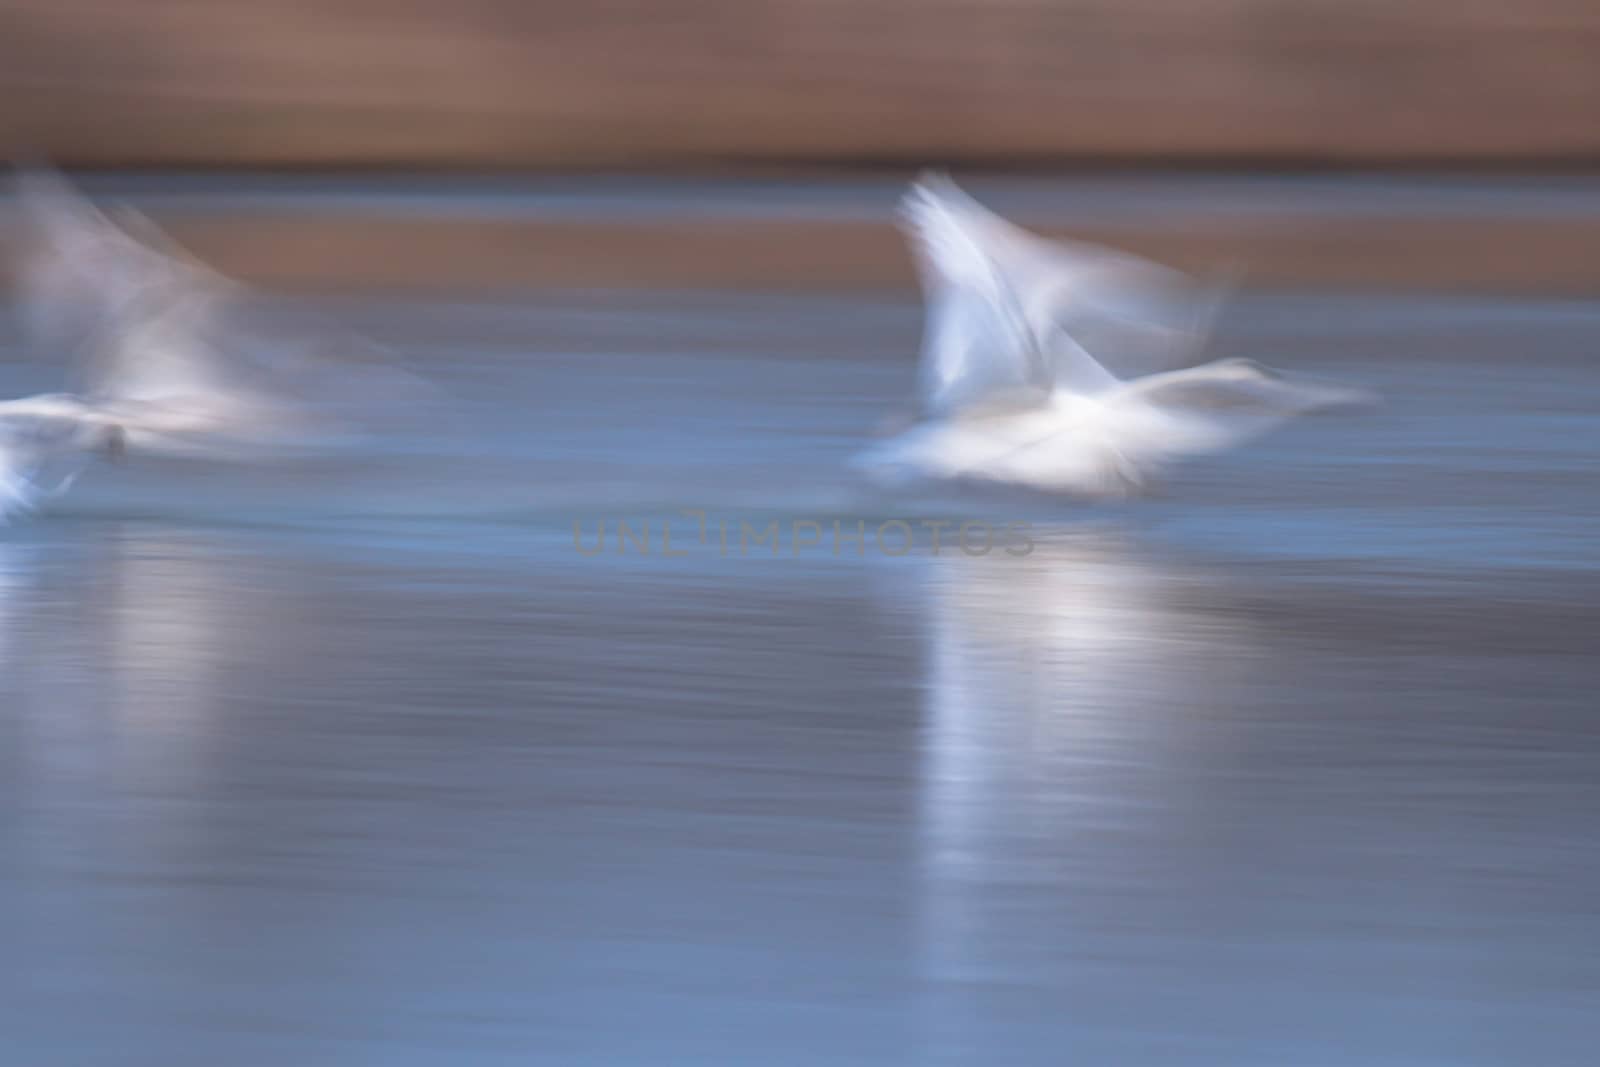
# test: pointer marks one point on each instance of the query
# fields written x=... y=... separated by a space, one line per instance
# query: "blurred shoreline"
x=1526 y=234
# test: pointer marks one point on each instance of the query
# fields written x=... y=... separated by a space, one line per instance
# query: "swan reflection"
x=1055 y=683
x=172 y=601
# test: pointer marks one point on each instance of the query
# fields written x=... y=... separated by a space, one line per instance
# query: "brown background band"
x=536 y=83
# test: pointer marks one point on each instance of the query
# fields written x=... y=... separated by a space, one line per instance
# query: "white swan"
x=166 y=358
x=1010 y=392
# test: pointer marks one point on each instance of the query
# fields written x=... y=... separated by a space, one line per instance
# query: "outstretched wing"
x=171 y=345
x=133 y=314
x=976 y=338
x=1089 y=311
x=1215 y=406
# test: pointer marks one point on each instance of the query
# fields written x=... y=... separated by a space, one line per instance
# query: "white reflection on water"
x=109 y=647
x=169 y=613
x=1055 y=685
x=12 y=576
x=50 y=728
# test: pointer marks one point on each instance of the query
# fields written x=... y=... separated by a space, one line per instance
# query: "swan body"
x=1010 y=392
x=165 y=360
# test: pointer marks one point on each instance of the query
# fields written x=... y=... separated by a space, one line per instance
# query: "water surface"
x=359 y=761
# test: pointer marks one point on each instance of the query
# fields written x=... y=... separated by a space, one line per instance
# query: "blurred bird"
x=1011 y=391
x=165 y=358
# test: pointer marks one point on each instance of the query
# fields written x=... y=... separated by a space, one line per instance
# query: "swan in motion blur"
x=1010 y=391
x=166 y=358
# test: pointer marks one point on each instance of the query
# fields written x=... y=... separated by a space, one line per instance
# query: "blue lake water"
x=359 y=760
